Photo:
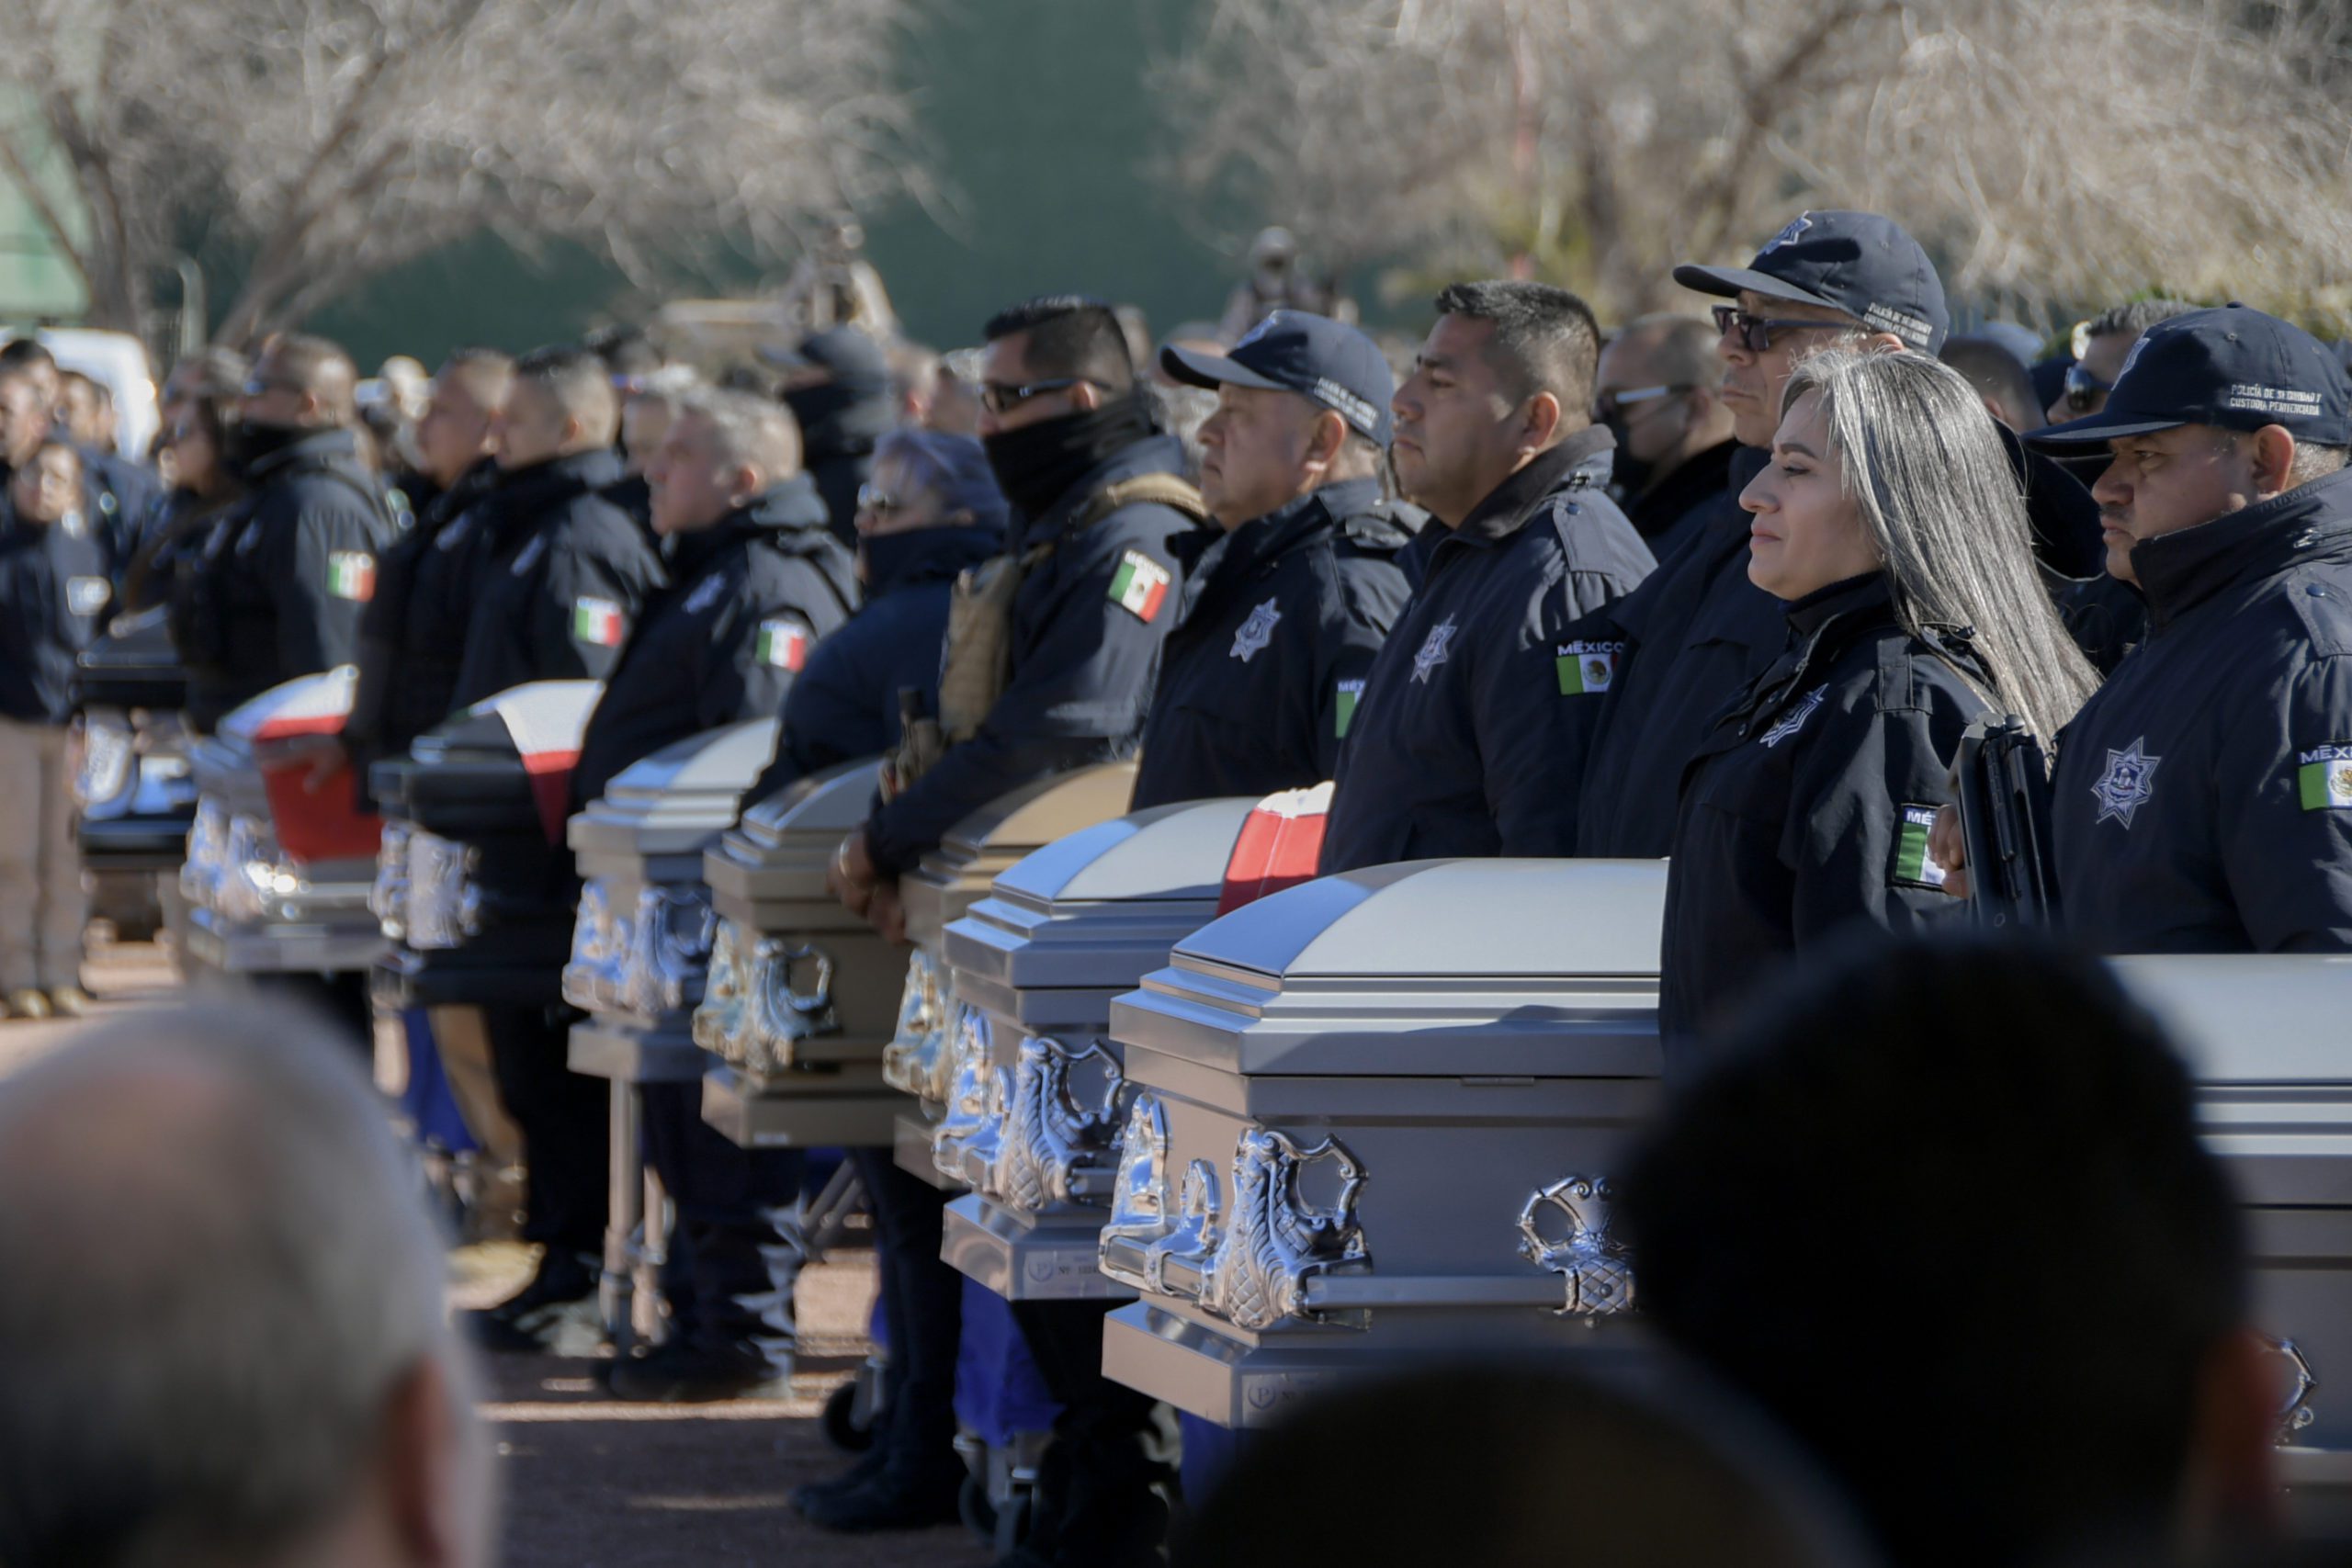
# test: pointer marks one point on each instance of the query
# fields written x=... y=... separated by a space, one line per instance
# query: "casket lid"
x=816 y=811
x=1098 y=907
x=539 y=723
x=1038 y=813
x=2249 y=1018
x=679 y=795
x=134 y=665
x=1446 y=917
x=308 y=704
x=1479 y=968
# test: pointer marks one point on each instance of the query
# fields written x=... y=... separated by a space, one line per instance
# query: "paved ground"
x=591 y=1482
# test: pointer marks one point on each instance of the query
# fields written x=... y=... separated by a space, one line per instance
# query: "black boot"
x=906 y=1496
x=1101 y=1502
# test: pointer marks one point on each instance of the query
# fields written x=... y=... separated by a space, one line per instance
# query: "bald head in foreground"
x=222 y=1329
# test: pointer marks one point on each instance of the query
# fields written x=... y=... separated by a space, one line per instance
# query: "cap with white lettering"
x=2235 y=368
x=1859 y=262
x=1325 y=361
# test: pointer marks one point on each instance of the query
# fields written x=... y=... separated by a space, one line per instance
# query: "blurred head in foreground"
x=222 y=1329
x=1942 y=1212
x=1521 y=1466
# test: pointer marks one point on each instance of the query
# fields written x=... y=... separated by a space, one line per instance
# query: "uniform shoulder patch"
x=1585 y=668
x=783 y=642
x=86 y=595
x=351 y=574
x=1913 y=867
x=2324 y=777
x=1343 y=708
x=1140 y=585
x=706 y=594
x=597 y=622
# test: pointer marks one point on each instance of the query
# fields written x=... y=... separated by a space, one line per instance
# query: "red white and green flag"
x=351 y=574
x=1141 y=586
x=784 y=643
x=597 y=622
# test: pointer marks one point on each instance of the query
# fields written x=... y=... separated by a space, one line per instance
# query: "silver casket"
x=802 y=995
x=1374 y=1119
x=2265 y=1037
x=641 y=939
x=279 y=857
x=935 y=895
x=1041 y=1093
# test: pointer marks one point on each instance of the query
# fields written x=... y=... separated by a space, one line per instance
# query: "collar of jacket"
x=1822 y=625
x=2180 y=571
x=543 y=485
x=926 y=555
x=1152 y=455
x=478 y=480
x=1318 y=511
x=1581 y=462
x=1699 y=475
x=315 y=448
x=782 y=517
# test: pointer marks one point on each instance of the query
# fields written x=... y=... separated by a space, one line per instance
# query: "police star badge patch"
x=1795 y=719
x=2129 y=782
x=1256 y=632
x=1141 y=585
x=1436 y=648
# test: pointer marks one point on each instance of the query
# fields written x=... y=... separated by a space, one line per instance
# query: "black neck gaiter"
x=1036 y=465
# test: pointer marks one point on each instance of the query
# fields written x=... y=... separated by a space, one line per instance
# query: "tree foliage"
x=340 y=137
x=2048 y=152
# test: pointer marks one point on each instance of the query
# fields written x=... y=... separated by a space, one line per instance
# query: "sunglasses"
x=1609 y=404
x=881 y=502
x=258 y=387
x=2083 y=389
x=1000 y=399
x=1755 y=333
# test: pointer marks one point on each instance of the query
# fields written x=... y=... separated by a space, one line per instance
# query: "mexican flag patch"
x=1585 y=668
x=1141 y=586
x=351 y=574
x=596 y=622
x=1913 y=867
x=1344 y=712
x=2324 y=777
x=784 y=643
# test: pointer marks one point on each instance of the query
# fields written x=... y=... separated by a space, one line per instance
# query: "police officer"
x=413 y=634
x=122 y=490
x=838 y=385
x=1689 y=641
x=2202 y=799
x=281 y=582
x=1469 y=734
x=54 y=595
x=562 y=570
x=757 y=582
x=930 y=510
x=540 y=579
x=1887 y=520
x=1284 y=612
x=1099 y=512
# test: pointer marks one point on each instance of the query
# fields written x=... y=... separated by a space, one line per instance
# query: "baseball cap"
x=2235 y=368
x=1322 y=360
x=1856 y=262
x=847 y=355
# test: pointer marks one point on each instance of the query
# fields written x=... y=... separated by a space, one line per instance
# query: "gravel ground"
x=591 y=1482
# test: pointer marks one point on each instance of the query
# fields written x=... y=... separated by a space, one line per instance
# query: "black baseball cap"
x=2235 y=368
x=1322 y=360
x=1856 y=262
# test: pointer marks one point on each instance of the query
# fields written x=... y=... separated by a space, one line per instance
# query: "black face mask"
x=243 y=444
x=1036 y=465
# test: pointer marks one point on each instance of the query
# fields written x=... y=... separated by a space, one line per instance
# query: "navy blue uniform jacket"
x=558 y=576
x=1686 y=643
x=844 y=704
x=1087 y=629
x=1807 y=809
x=1279 y=623
x=53 y=595
x=749 y=598
x=1470 y=736
x=2202 y=799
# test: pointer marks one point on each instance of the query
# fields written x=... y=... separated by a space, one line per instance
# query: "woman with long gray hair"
x=1890 y=526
